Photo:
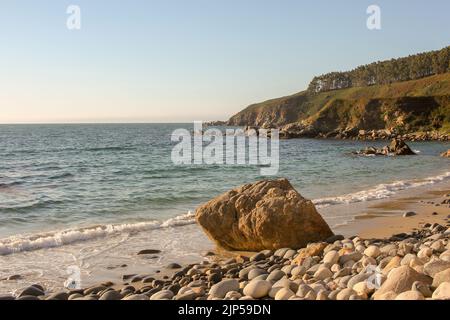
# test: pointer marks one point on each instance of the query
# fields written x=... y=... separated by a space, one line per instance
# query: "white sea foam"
x=380 y=191
x=21 y=243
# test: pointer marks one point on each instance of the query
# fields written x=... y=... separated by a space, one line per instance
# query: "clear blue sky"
x=176 y=61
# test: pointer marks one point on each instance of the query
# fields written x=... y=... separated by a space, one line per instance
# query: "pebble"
x=257 y=288
x=334 y=238
x=173 y=266
x=442 y=292
x=423 y=288
x=219 y=290
x=410 y=295
x=409 y=214
x=441 y=277
x=322 y=295
x=233 y=295
x=162 y=295
x=289 y=254
x=75 y=296
x=27 y=298
x=32 y=290
x=281 y=252
x=58 y=296
x=149 y=251
x=258 y=257
x=331 y=257
x=256 y=272
x=345 y=294
x=372 y=251
x=303 y=290
x=323 y=273
x=94 y=290
x=284 y=294
x=136 y=297
x=214 y=278
x=111 y=295
x=436 y=266
x=208 y=254
x=275 y=275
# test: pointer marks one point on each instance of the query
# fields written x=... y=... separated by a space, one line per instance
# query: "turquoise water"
x=93 y=195
x=54 y=177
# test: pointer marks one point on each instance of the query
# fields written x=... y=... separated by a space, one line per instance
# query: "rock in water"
x=400 y=148
x=269 y=214
x=446 y=154
x=397 y=147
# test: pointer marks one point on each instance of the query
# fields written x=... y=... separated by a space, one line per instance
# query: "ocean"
x=92 y=195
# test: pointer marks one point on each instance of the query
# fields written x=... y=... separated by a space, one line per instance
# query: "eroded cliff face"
x=272 y=113
x=410 y=106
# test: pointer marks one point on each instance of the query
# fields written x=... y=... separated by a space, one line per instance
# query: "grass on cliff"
x=347 y=102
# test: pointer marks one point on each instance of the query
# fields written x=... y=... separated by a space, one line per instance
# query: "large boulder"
x=269 y=214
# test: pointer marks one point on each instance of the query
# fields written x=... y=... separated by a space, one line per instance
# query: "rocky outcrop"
x=397 y=147
x=446 y=154
x=269 y=214
x=398 y=110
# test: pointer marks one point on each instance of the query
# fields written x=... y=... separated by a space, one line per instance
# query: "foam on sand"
x=380 y=191
x=21 y=243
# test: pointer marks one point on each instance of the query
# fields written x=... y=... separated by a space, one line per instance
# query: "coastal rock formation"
x=269 y=214
x=397 y=147
x=352 y=108
x=446 y=154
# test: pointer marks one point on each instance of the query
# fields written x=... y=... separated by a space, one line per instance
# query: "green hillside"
x=415 y=105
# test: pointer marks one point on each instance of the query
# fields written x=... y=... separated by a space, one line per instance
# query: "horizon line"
x=78 y=123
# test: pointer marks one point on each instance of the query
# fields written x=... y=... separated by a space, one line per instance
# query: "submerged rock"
x=269 y=214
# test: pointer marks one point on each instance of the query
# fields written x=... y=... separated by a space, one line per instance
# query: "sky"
x=186 y=60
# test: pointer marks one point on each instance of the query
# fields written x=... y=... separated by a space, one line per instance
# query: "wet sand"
x=385 y=218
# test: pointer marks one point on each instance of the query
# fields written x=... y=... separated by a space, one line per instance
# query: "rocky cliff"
x=414 y=106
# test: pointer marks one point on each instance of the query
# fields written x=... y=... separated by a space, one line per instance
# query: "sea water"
x=92 y=196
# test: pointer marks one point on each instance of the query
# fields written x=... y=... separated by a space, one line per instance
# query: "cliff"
x=398 y=96
x=409 y=106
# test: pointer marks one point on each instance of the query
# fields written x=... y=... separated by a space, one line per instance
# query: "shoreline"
x=379 y=220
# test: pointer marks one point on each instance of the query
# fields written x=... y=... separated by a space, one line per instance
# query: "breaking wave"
x=380 y=191
x=32 y=242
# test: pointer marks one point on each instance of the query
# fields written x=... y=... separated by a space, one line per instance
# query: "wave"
x=62 y=176
x=20 y=243
x=8 y=185
x=112 y=148
x=16 y=244
x=380 y=191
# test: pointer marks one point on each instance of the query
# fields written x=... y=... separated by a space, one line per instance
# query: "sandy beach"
x=385 y=218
